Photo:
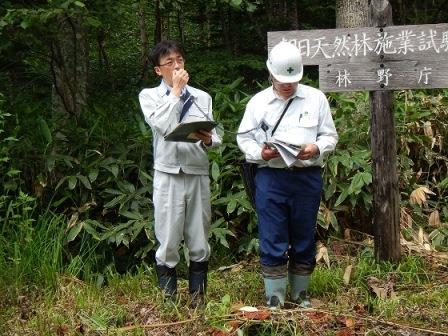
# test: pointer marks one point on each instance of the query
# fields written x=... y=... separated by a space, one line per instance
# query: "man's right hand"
x=180 y=79
x=268 y=153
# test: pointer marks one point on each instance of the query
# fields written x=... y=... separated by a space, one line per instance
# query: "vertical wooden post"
x=386 y=197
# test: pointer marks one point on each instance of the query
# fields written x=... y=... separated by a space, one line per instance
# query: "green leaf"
x=93 y=22
x=79 y=4
x=61 y=181
x=367 y=178
x=236 y=83
x=93 y=175
x=13 y=172
x=91 y=230
x=145 y=175
x=444 y=183
x=115 y=201
x=85 y=181
x=221 y=235
x=226 y=300
x=24 y=24
x=126 y=187
x=215 y=171
x=113 y=191
x=45 y=130
x=231 y=206
x=72 y=180
x=342 y=197
x=74 y=231
x=357 y=183
x=131 y=215
x=66 y=4
x=10 y=139
x=236 y=3
x=113 y=169
x=251 y=7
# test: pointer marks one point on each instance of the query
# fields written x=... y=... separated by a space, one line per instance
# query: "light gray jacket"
x=162 y=112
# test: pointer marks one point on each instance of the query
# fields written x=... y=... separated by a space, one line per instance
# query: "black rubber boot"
x=167 y=278
x=197 y=281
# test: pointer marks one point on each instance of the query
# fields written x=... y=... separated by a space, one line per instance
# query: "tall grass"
x=34 y=252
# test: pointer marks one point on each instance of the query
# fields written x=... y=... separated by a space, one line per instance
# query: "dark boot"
x=197 y=281
x=167 y=278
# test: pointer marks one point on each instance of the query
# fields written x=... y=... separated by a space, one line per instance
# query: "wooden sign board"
x=369 y=58
x=368 y=44
x=395 y=75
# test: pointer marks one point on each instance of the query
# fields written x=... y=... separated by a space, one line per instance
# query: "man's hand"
x=268 y=153
x=180 y=79
x=204 y=136
x=308 y=152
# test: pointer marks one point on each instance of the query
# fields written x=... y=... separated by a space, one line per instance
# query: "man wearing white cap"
x=287 y=198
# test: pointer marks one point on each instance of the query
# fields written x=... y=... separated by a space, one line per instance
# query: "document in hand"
x=184 y=132
x=287 y=151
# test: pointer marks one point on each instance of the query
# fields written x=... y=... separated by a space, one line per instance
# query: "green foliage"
x=348 y=172
x=215 y=71
x=102 y=181
x=32 y=250
x=8 y=173
x=423 y=159
x=232 y=212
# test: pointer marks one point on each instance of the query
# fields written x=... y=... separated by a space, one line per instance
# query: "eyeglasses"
x=170 y=63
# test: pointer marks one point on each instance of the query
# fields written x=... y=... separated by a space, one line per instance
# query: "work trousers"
x=287 y=203
x=182 y=210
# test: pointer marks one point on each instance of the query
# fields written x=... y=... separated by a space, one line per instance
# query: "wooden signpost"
x=378 y=59
x=370 y=58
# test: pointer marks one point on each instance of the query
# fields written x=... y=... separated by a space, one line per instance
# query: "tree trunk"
x=401 y=11
x=144 y=49
x=386 y=196
x=296 y=14
x=208 y=25
x=103 y=58
x=351 y=13
x=225 y=26
x=158 y=25
x=162 y=26
x=180 y=26
x=69 y=65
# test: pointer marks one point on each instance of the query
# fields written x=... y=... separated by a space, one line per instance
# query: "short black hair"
x=164 y=48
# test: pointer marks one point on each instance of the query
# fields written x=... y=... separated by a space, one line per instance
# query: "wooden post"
x=386 y=197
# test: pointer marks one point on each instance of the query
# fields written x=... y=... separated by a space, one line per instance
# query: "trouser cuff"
x=301 y=269
x=274 y=272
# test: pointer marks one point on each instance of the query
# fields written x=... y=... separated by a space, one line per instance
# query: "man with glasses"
x=287 y=198
x=181 y=191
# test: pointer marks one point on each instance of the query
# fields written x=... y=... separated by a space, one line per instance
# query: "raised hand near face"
x=180 y=79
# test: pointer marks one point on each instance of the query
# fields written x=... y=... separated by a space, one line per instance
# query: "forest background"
x=76 y=154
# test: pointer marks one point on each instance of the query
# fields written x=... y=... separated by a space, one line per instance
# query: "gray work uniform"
x=181 y=183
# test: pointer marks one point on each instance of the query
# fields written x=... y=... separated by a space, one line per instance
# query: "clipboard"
x=184 y=131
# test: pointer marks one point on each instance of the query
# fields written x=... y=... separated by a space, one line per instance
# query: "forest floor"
x=351 y=295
